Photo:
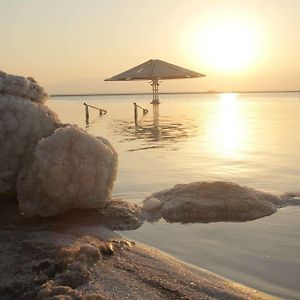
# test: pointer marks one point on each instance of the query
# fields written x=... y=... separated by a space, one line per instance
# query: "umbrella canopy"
x=155 y=70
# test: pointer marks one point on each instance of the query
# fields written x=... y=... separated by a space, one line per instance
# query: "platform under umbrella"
x=155 y=70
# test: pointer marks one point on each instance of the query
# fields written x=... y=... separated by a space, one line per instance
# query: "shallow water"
x=251 y=139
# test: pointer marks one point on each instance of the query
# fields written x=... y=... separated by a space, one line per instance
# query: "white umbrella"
x=155 y=70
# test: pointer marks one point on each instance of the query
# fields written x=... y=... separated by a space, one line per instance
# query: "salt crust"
x=210 y=202
x=22 y=124
x=20 y=86
x=71 y=169
x=49 y=166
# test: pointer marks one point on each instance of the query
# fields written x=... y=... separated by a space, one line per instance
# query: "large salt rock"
x=71 y=169
x=20 y=86
x=205 y=202
x=23 y=121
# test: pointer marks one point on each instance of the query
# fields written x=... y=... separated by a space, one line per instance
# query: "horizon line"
x=174 y=93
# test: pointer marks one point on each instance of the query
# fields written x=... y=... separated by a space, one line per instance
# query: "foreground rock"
x=210 y=202
x=71 y=169
x=121 y=215
x=24 y=120
x=50 y=167
x=59 y=258
x=19 y=86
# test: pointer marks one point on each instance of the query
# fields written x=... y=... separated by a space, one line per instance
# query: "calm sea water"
x=251 y=139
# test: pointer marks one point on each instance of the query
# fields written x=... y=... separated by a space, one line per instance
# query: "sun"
x=228 y=44
x=228 y=47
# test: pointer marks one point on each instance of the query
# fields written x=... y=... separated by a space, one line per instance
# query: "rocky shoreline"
x=70 y=257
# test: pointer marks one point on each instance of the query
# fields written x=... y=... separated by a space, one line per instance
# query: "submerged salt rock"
x=151 y=209
x=22 y=124
x=290 y=198
x=71 y=169
x=210 y=202
x=121 y=215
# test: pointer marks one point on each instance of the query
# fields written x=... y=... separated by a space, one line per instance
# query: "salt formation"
x=290 y=198
x=19 y=86
x=122 y=215
x=23 y=122
x=49 y=166
x=210 y=202
x=71 y=169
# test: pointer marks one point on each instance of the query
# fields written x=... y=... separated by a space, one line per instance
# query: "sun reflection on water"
x=227 y=131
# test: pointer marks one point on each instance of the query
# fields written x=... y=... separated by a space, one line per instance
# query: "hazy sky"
x=72 y=45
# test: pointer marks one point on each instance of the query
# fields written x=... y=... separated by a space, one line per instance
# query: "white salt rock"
x=23 y=87
x=22 y=124
x=210 y=202
x=71 y=169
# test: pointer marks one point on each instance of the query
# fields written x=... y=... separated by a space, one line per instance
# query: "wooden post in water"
x=135 y=113
x=145 y=111
x=86 y=114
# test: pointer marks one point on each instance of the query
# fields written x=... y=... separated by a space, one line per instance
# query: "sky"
x=71 y=46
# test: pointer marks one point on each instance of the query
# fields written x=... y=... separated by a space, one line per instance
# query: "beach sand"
x=71 y=257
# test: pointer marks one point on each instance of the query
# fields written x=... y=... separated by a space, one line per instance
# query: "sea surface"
x=250 y=139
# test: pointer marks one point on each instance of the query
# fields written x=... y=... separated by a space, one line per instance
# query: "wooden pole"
x=135 y=113
x=86 y=113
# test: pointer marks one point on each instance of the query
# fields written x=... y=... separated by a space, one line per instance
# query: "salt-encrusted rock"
x=210 y=202
x=50 y=290
x=121 y=215
x=22 y=124
x=290 y=198
x=71 y=169
x=91 y=252
x=20 y=86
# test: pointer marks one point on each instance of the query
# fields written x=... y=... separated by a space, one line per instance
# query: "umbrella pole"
x=155 y=94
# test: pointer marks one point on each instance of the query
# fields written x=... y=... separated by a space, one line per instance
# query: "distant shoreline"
x=171 y=93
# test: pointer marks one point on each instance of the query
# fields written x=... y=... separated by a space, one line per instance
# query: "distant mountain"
x=288 y=80
x=96 y=85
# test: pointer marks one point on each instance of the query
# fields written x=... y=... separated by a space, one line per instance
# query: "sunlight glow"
x=227 y=132
x=228 y=47
x=227 y=43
